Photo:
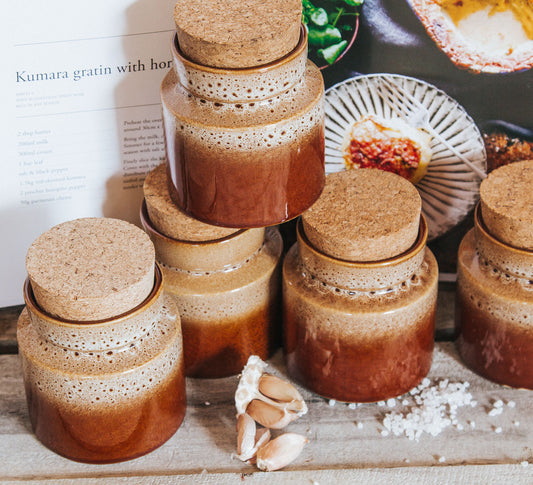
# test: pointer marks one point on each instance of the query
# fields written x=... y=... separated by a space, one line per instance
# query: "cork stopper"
x=230 y=34
x=507 y=204
x=364 y=215
x=169 y=219
x=91 y=269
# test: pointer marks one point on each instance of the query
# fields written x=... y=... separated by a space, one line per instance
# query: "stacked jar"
x=243 y=113
x=225 y=283
x=494 y=310
x=243 y=119
x=100 y=343
x=360 y=290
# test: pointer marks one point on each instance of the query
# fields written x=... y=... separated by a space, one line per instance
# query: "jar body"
x=109 y=404
x=245 y=148
x=494 y=317
x=228 y=315
x=358 y=346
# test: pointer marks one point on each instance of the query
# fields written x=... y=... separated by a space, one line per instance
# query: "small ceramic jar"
x=100 y=388
x=225 y=283
x=359 y=290
x=244 y=141
x=494 y=309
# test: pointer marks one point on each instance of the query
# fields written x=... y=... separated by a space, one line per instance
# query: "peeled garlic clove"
x=246 y=432
x=269 y=415
x=262 y=437
x=278 y=389
x=281 y=451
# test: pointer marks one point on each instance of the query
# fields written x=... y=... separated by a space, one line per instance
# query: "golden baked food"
x=391 y=145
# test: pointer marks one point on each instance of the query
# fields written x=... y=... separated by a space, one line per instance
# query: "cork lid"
x=169 y=219
x=364 y=215
x=91 y=269
x=230 y=34
x=507 y=204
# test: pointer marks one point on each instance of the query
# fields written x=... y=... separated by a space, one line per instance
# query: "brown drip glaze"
x=221 y=348
x=358 y=348
x=108 y=434
x=238 y=189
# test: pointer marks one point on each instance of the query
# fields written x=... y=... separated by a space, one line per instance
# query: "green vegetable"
x=324 y=37
x=319 y=17
x=331 y=53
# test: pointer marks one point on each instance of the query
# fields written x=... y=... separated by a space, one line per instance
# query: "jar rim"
x=300 y=46
x=33 y=306
x=150 y=228
x=480 y=225
x=418 y=245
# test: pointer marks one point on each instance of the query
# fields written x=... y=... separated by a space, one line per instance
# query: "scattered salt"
x=498 y=430
x=495 y=411
x=435 y=409
x=511 y=404
x=524 y=463
x=391 y=403
x=516 y=423
x=359 y=425
x=381 y=403
x=384 y=432
x=442 y=459
x=332 y=402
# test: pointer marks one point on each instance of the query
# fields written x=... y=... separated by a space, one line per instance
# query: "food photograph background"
x=384 y=38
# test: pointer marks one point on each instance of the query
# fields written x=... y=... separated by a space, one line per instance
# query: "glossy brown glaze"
x=494 y=318
x=221 y=348
x=238 y=188
x=495 y=348
x=357 y=346
x=103 y=433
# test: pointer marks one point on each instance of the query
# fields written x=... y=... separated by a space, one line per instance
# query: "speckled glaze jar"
x=359 y=331
x=245 y=147
x=494 y=309
x=104 y=391
x=227 y=291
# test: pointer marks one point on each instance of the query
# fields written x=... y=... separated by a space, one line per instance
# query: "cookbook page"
x=81 y=122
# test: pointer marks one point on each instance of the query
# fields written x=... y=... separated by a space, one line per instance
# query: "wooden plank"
x=474 y=474
x=206 y=440
x=8 y=329
x=445 y=317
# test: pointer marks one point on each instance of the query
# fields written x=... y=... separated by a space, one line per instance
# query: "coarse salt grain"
x=352 y=405
x=498 y=430
x=435 y=408
x=495 y=411
x=511 y=404
x=442 y=459
x=524 y=463
x=332 y=402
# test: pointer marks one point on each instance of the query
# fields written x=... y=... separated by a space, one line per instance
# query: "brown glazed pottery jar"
x=494 y=309
x=225 y=283
x=245 y=146
x=100 y=389
x=360 y=289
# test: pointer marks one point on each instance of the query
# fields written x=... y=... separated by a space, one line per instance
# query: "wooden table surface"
x=346 y=445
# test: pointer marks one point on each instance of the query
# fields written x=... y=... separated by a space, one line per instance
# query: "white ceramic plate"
x=450 y=187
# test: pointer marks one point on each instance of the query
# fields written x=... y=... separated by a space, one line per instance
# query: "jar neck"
x=495 y=254
x=114 y=333
x=241 y=85
x=362 y=276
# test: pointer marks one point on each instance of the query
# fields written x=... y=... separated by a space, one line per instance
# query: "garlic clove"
x=246 y=431
x=270 y=415
x=281 y=451
x=262 y=437
x=280 y=390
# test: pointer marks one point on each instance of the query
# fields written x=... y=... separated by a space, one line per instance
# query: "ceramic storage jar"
x=243 y=113
x=225 y=282
x=494 y=310
x=360 y=289
x=101 y=345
